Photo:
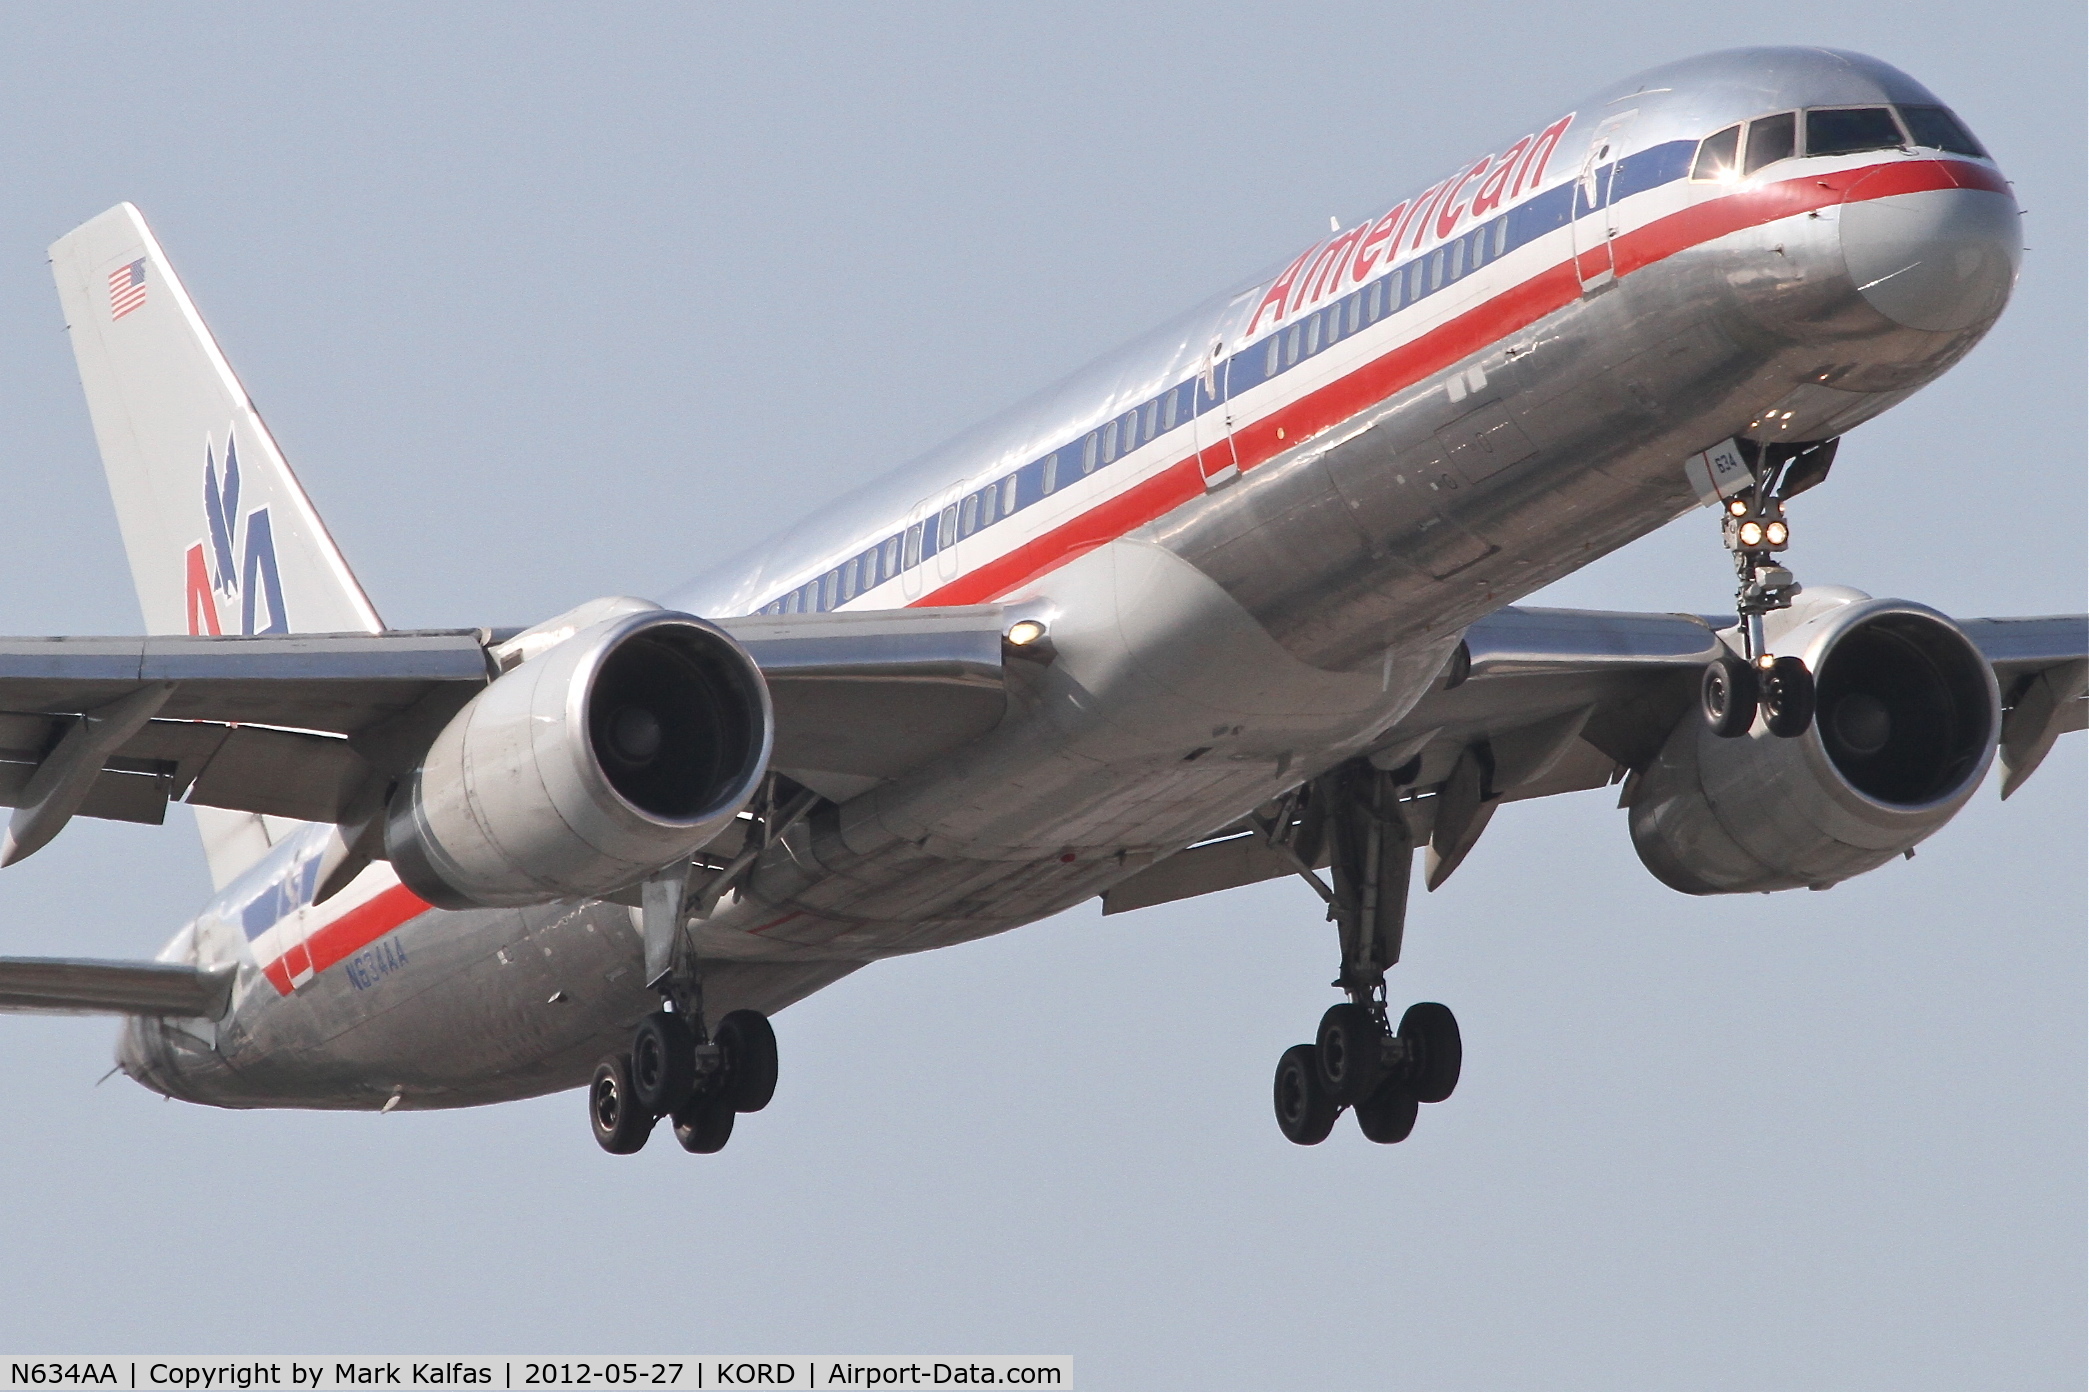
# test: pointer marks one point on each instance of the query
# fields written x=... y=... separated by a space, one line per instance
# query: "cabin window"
x=1008 y=491
x=891 y=557
x=790 y=602
x=1147 y=415
x=1436 y=269
x=1312 y=335
x=1718 y=156
x=827 y=584
x=1846 y=130
x=1771 y=139
x=1169 y=405
x=1356 y=311
x=913 y=551
x=1291 y=345
x=946 y=528
x=1050 y=480
x=1109 y=451
x=1415 y=270
x=1501 y=235
x=968 y=515
x=1934 y=128
x=1457 y=258
x=848 y=579
x=1088 y=453
x=1269 y=355
x=1374 y=301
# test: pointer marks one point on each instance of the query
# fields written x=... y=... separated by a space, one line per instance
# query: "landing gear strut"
x=1734 y=690
x=1358 y=1061
x=677 y=1067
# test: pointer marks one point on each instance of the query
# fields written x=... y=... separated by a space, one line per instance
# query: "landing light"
x=1737 y=508
x=1751 y=533
x=1778 y=533
x=1023 y=632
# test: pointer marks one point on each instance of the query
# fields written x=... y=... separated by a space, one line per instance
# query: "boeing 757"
x=1237 y=601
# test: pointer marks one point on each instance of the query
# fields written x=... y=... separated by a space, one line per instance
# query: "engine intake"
x=598 y=760
x=1906 y=723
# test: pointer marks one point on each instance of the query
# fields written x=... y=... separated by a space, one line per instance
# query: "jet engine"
x=1907 y=715
x=601 y=758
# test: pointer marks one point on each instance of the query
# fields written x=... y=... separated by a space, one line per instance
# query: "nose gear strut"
x=1757 y=532
x=1358 y=1061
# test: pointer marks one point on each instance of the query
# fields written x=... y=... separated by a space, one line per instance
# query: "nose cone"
x=1941 y=260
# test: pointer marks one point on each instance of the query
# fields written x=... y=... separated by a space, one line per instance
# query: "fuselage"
x=1257 y=534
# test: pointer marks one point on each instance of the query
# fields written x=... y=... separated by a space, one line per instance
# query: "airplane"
x=1236 y=602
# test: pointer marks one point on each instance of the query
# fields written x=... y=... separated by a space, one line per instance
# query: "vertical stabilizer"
x=220 y=536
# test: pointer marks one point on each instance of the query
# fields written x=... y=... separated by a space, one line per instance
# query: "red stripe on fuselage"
x=1512 y=310
x=350 y=933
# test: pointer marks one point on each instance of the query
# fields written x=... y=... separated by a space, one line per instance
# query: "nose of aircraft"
x=1941 y=260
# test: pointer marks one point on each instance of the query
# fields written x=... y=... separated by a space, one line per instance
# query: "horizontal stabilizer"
x=78 y=986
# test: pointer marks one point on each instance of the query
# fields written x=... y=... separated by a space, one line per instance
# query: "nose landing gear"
x=1734 y=690
x=1357 y=1061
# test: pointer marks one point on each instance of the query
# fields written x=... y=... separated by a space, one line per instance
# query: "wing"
x=314 y=726
x=1546 y=701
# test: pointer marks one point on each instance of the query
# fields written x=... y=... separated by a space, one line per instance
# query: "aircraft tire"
x=1387 y=1115
x=1347 y=1051
x=663 y=1062
x=1727 y=696
x=1788 y=698
x=621 y=1124
x=705 y=1123
x=1305 y=1113
x=749 y=1046
x=1435 y=1029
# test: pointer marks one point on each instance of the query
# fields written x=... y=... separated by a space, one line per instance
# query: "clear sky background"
x=548 y=303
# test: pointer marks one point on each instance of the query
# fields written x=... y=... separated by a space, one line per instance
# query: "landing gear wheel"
x=1387 y=1115
x=749 y=1047
x=1431 y=1032
x=1727 y=696
x=1305 y=1113
x=663 y=1062
x=620 y=1122
x=705 y=1123
x=1348 y=1051
x=1787 y=698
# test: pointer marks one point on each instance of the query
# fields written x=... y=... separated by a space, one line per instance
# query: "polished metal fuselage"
x=1238 y=641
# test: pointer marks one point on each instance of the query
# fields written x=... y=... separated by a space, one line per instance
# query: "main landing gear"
x=676 y=1067
x=1358 y=1061
x=673 y=1070
x=1733 y=689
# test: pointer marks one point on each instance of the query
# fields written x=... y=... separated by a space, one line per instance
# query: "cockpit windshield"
x=1845 y=130
x=1935 y=128
x=1738 y=151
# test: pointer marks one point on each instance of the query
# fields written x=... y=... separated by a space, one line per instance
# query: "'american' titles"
x=1349 y=258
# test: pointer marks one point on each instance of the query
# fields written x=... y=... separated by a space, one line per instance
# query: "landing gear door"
x=1595 y=219
x=1212 y=425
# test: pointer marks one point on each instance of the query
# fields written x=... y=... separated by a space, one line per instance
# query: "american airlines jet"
x=1235 y=602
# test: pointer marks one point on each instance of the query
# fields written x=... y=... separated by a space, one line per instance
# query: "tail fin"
x=220 y=536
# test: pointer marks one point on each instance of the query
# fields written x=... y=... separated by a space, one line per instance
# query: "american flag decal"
x=126 y=288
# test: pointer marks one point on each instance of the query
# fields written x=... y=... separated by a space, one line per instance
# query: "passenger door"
x=1212 y=427
x=1595 y=220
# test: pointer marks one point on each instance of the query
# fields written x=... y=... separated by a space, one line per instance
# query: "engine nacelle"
x=1906 y=721
x=595 y=762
